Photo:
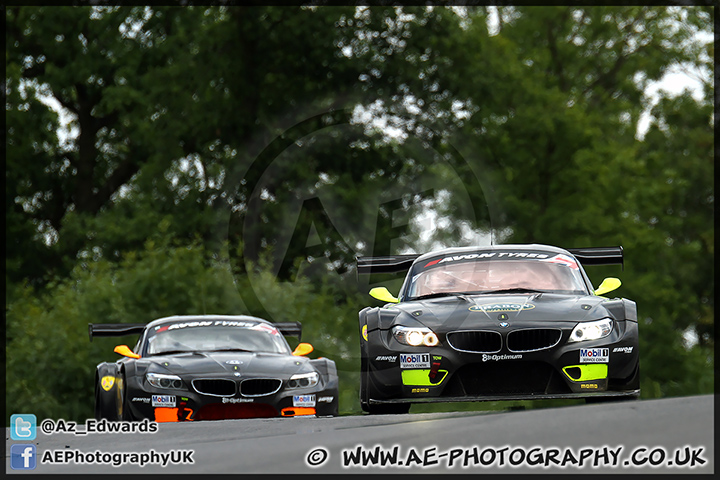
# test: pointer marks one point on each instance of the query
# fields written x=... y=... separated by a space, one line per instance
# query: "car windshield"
x=214 y=336
x=491 y=275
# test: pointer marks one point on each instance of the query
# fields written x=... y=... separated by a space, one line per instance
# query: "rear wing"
x=114 y=329
x=389 y=264
x=292 y=329
x=401 y=263
x=599 y=255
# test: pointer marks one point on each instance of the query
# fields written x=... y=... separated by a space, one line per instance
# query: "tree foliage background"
x=231 y=160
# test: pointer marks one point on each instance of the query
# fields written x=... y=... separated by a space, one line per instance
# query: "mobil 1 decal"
x=594 y=355
x=414 y=360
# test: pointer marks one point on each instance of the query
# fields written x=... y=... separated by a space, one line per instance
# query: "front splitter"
x=487 y=398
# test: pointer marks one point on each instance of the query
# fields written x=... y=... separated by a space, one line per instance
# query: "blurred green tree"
x=273 y=144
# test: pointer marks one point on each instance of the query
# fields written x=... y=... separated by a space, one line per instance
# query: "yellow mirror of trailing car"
x=302 y=349
x=125 y=351
x=608 y=285
x=382 y=294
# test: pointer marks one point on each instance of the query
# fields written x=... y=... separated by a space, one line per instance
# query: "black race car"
x=508 y=322
x=212 y=367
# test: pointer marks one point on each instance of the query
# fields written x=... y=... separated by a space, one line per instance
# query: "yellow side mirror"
x=382 y=294
x=125 y=351
x=302 y=349
x=608 y=285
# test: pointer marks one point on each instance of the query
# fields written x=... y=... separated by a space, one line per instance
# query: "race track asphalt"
x=672 y=435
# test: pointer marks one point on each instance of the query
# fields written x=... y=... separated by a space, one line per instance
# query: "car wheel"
x=98 y=404
x=363 y=375
x=124 y=413
x=363 y=385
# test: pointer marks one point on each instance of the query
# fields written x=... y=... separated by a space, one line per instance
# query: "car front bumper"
x=168 y=405
x=400 y=373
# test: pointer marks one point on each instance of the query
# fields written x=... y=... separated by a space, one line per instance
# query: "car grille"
x=217 y=387
x=505 y=378
x=479 y=341
x=254 y=387
x=533 y=339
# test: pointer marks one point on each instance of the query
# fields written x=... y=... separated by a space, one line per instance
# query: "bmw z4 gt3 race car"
x=508 y=322
x=212 y=367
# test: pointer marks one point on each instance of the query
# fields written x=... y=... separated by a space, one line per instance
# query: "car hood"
x=471 y=311
x=230 y=363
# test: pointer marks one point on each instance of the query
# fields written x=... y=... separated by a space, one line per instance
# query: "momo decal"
x=501 y=307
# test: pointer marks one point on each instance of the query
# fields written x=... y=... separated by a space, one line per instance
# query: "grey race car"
x=212 y=367
x=502 y=322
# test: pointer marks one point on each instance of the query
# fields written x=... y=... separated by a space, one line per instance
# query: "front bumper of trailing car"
x=188 y=404
x=606 y=367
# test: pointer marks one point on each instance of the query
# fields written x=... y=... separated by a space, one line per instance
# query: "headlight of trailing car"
x=162 y=380
x=591 y=330
x=415 y=336
x=300 y=380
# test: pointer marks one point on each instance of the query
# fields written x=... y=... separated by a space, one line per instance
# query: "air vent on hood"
x=533 y=339
x=216 y=387
x=255 y=387
x=476 y=341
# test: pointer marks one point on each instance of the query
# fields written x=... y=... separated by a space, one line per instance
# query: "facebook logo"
x=22 y=426
x=22 y=457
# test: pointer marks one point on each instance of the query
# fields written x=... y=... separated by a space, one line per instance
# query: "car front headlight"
x=301 y=380
x=162 y=380
x=591 y=330
x=415 y=336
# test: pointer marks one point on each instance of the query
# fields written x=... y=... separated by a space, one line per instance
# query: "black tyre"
x=363 y=384
x=124 y=412
x=363 y=373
